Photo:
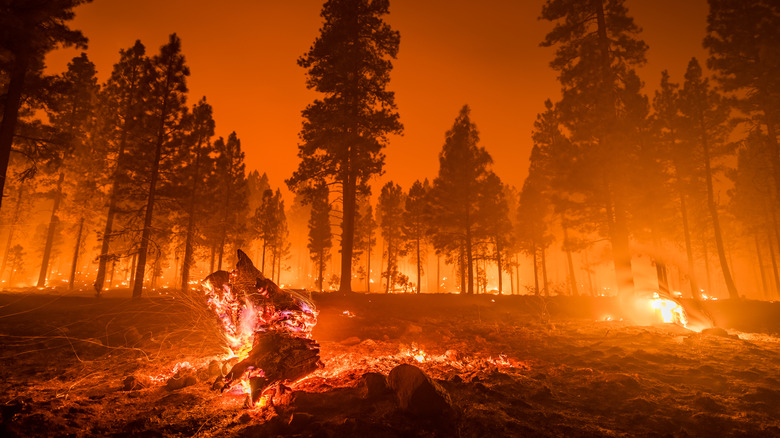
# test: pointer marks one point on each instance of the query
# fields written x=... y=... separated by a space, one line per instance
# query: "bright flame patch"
x=670 y=311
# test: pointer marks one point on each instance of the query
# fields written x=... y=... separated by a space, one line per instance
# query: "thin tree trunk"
x=511 y=277
x=761 y=267
x=438 y=273
x=572 y=277
x=188 y=242
x=111 y=275
x=76 y=249
x=462 y=268
x=587 y=271
x=777 y=239
x=13 y=100
x=707 y=265
x=348 y=228
x=536 y=272
x=321 y=266
x=132 y=271
x=732 y=288
x=469 y=258
x=389 y=275
x=695 y=292
x=212 y=258
x=12 y=228
x=500 y=272
x=544 y=272
x=368 y=263
x=419 y=266
x=262 y=268
x=112 y=205
x=53 y=222
x=774 y=264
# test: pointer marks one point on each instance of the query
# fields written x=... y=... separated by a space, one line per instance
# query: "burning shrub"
x=268 y=329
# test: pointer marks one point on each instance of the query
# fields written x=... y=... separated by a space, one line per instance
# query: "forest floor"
x=513 y=366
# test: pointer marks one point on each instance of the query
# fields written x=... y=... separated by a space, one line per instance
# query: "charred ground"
x=513 y=366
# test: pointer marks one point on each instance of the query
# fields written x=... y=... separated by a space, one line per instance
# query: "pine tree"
x=197 y=164
x=233 y=193
x=390 y=211
x=464 y=170
x=72 y=117
x=320 y=237
x=344 y=133
x=668 y=124
x=415 y=224
x=493 y=221
x=744 y=44
x=365 y=240
x=596 y=51
x=705 y=115
x=31 y=28
x=167 y=104
x=122 y=112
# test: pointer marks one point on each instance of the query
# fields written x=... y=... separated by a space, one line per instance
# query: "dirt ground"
x=513 y=366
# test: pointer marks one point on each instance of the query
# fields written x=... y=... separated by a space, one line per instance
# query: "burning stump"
x=266 y=327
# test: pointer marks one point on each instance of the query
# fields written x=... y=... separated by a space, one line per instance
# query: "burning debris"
x=268 y=330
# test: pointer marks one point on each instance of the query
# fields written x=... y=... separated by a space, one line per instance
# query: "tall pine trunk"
x=390 y=276
x=368 y=264
x=544 y=272
x=689 y=247
x=53 y=222
x=469 y=256
x=348 y=229
x=146 y=234
x=773 y=258
x=74 y=264
x=188 y=242
x=536 y=272
x=572 y=276
x=112 y=205
x=500 y=268
x=321 y=267
x=12 y=228
x=419 y=266
x=761 y=267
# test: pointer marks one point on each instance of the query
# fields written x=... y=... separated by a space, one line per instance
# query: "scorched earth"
x=496 y=366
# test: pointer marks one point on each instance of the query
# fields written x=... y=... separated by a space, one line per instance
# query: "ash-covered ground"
x=508 y=366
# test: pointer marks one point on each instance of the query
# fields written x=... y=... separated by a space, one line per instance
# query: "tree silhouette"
x=31 y=28
x=167 y=104
x=122 y=105
x=596 y=51
x=705 y=114
x=744 y=45
x=71 y=117
x=455 y=199
x=416 y=224
x=390 y=212
x=233 y=193
x=320 y=236
x=344 y=133
x=194 y=175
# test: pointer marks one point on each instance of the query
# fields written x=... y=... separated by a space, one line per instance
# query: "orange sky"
x=485 y=53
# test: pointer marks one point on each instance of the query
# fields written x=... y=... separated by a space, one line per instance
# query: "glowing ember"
x=348 y=314
x=267 y=328
x=671 y=311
